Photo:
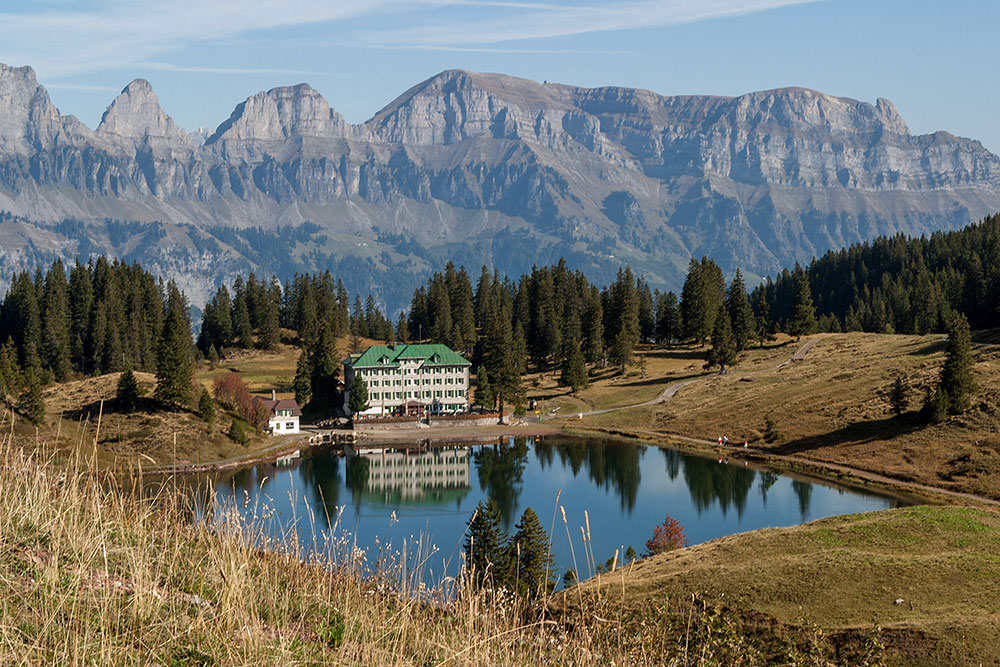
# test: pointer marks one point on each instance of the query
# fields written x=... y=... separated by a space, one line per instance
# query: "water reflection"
x=711 y=481
x=432 y=491
x=500 y=469
x=609 y=465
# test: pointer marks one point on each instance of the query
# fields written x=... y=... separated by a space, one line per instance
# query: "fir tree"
x=32 y=403
x=668 y=320
x=956 y=376
x=359 y=396
x=56 y=323
x=485 y=546
x=485 y=396
x=242 y=329
x=529 y=559
x=303 y=378
x=936 y=406
x=803 y=317
x=175 y=362
x=740 y=314
x=723 y=350
x=212 y=356
x=206 y=407
x=574 y=370
x=128 y=391
x=899 y=396
x=703 y=292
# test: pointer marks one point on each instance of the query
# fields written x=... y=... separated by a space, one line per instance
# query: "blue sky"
x=936 y=61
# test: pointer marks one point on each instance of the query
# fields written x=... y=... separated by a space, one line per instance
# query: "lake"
x=426 y=495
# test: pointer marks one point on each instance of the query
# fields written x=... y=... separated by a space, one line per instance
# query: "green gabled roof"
x=372 y=356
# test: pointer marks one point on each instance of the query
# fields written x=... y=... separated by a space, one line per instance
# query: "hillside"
x=831 y=406
x=925 y=577
x=477 y=168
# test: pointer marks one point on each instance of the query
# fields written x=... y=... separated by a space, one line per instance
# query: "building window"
x=289 y=426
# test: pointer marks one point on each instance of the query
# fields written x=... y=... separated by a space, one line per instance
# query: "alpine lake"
x=413 y=503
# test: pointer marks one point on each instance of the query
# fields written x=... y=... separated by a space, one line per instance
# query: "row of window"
x=415 y=383
x=389 y=395
x=435 y=370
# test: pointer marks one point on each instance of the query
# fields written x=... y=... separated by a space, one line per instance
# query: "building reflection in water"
x=408 y=475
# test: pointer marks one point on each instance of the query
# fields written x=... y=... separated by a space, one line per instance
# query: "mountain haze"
x=478 y=168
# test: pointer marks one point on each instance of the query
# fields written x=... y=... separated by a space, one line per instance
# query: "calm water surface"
x=626 y=489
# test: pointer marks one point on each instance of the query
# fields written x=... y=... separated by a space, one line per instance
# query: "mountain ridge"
x=486 y=168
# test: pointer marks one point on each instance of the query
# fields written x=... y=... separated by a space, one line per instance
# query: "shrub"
x=666 y=537
x=237 y=432
x=771 y=432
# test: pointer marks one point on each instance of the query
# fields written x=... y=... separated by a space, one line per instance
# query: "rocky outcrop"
x=487 y=168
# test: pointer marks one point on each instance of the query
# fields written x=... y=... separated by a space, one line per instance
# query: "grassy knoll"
x=836 y=579
x=94 y=574
x=833 y=405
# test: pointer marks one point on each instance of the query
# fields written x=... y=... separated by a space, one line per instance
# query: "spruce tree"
x=956 y=376
x=359 y=396
x=206 y=407
x=740 y=314
x=574 y=370
x=485 y=546
x=530 y=559
x=899 y=396
x=723 y=351
x=128 y=392
x=269 y=333
x=175 y=362
x=242 y=329
x=81 y=297
x=56 y=323
x=303 y=378
x=803 y=318
x=485 y=396
x=32 y=403
x=668 y=319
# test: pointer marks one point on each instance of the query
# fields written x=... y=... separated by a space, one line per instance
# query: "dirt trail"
x=671 y=389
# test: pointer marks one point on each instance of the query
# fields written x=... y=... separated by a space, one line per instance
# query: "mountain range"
x=478 y=169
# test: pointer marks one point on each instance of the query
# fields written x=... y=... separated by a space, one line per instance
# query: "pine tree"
x=740 y=314
x=574 y=370
x=485 y=396
x=128 y=391
x=485 y=546
x=668 y=319
x=11 y=379
x=175 y=362
x=803 y=317
x=703 y=292
x=899 y=396
x=303 y=378
x=359 y=396
x=81 y=298
x=56 y=323
x=32 y=403
x=206 y=407
x=956 y=376
x=936 y=406
x=269 y=333
x=529 y=558
x=723 y=351
x=242 y=329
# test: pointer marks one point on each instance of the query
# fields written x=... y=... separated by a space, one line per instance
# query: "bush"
x=771 y=432
x=206 y=408
x=238 y=433
x=666 y=537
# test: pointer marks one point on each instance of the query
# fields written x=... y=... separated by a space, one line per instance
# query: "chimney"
x=274 y=395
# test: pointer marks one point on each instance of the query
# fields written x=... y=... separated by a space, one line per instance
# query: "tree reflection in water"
x=612 y=465
x=500 y=469
x=803 y=491
x=321 y=477
x=356 y=479
x=710 y=481
x=767 y=480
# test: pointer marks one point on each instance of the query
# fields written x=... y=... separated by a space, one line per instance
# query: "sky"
x=936 y=61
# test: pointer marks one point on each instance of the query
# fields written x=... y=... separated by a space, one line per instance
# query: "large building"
x=411 y=379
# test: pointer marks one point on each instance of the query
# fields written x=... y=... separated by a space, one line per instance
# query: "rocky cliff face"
x=487 y=168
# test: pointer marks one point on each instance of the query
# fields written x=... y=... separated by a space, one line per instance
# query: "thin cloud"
x=169 y=67
x=550 y=21
x=112 y=34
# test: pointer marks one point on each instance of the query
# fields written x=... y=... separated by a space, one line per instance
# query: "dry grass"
x=96 y=573
x=838 y=576
x=833 y=405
